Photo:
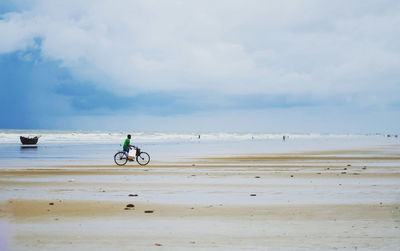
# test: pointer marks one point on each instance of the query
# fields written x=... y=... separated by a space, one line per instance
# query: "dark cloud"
x=89 y=99
x=24 y=91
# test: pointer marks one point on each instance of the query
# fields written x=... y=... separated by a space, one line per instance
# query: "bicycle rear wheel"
x=143 y=158
x=120 y=158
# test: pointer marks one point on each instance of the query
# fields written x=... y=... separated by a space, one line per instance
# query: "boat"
x=28 y=140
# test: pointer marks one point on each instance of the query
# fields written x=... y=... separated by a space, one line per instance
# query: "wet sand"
x=325 y=200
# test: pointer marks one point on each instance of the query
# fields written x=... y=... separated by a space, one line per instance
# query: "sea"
x=82 y=147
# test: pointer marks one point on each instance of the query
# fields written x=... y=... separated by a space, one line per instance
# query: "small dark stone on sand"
x=257 y=177
x=364 y=167
x=51 y=203
x=133 y=195
x=345 y=168
x=348 y=165
x=130 y=205
x=148 y=211
x=253 y=194
x=291 y=175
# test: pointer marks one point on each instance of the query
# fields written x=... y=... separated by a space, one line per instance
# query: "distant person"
x=283 y=137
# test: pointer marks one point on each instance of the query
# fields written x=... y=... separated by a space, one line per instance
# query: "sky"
x=228 y=65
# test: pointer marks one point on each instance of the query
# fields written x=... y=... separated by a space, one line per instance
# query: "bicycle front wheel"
x=143 y=158
x=120 y=158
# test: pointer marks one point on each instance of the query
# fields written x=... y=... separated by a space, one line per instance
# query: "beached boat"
x=29 y=141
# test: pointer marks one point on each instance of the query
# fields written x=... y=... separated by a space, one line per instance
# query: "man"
x=127 y=144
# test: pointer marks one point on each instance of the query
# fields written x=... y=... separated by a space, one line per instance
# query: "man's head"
x=129 y=136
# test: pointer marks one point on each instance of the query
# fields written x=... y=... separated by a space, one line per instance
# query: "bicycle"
x=122 y=157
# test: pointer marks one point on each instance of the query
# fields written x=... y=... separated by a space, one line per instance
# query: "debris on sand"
x=148 y=211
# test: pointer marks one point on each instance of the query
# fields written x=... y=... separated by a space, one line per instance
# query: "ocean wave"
x=54 y=136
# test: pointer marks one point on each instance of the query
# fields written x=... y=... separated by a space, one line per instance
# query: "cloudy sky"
x=226 y=65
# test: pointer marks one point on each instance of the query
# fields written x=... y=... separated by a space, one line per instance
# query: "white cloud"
x=309 y=46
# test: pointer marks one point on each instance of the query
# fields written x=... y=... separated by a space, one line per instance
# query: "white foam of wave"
x=53 y=136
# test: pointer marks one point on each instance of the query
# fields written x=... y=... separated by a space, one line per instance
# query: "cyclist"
x=127 y=144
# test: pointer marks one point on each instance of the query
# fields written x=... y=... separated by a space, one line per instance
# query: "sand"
x=325 y=200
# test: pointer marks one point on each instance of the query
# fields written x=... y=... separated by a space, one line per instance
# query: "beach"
x=204 y=195
x=264 y=125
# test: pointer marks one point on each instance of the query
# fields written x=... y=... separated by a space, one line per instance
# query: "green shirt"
x=127 y=142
